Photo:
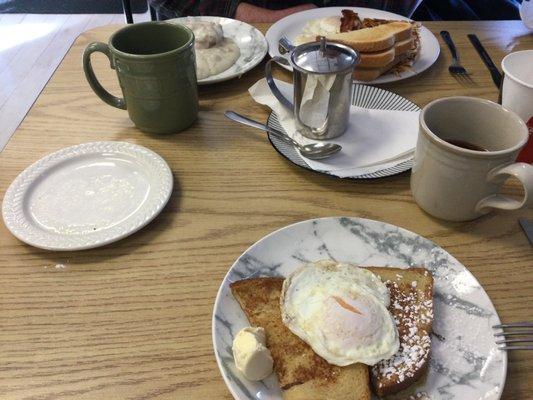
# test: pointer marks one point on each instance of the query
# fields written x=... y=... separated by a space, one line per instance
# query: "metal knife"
x=527 y=226
x=494 y=71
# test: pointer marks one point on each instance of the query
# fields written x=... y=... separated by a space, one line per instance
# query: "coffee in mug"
x=465 y=151
x=156 y=70
x=465 y=145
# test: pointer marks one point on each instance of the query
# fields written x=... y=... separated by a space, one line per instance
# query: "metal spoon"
x=314 y=151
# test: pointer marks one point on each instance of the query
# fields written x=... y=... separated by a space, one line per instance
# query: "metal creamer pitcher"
x=322 y=75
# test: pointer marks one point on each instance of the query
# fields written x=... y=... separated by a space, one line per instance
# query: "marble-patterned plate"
x=465 y=362
x=87 y=195
x=251 y=42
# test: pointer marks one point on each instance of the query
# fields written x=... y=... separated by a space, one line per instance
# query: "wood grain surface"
x=132 y=320
x=33 y=45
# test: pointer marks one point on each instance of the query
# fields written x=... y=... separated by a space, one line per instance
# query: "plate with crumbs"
x=464 y=363
x=87 y=195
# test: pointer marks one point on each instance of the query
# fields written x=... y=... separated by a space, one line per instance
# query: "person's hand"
x=249 y=13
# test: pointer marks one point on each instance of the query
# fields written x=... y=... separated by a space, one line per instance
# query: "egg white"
x=318 y=27
x=340 y=310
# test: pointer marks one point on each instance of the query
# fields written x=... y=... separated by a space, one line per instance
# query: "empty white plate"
x=87 y=195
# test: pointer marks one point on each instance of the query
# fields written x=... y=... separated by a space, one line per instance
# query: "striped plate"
x=362 y=96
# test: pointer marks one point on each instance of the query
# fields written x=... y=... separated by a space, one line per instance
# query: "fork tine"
x=514 y=325
x=454 y=73
x=460 y=78
x=528 y=347
x=518 y=331
x=514 y=333
x=464 y=78
x=524 y=340
x=463 y=75
x=468 y=77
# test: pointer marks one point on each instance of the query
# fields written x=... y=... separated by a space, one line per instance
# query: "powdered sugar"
x=411 y=313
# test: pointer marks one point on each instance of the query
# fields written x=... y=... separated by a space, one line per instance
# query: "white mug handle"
x=524 y=173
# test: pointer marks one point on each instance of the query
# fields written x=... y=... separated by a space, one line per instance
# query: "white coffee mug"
x=526 y=13
x=517 y=89
x=455 y=182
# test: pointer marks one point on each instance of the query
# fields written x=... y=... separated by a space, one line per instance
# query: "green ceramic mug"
x=155 y=66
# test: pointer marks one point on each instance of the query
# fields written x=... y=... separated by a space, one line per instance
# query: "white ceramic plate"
x=251 y=42
x=465 y=363
x=292 y=25
x=87 y=195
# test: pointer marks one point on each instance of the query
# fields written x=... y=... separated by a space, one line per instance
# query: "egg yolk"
x=350 y=323
x=346 y=306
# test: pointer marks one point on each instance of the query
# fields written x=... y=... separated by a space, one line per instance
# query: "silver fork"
x=514 y=329
x=456 y=69
x=285 y=45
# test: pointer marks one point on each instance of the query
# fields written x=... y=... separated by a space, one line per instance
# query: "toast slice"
x=369 y=74
x=380 y=59
x=377 y=38
x=302 y=374
x=411 y=293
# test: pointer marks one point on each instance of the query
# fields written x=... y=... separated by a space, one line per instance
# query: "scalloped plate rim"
x=48 y=162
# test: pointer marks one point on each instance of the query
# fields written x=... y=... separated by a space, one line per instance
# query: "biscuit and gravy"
x=214 y=52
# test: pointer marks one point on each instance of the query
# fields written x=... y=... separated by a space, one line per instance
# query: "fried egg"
x=318 y=27
x=340 y=310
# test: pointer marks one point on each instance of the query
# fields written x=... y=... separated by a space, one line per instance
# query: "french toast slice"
x=302 y=374
x=411 y=294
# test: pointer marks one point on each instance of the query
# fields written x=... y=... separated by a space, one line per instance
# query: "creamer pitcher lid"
x=324 y=57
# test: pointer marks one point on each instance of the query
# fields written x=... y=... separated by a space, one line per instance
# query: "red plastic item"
x=526 y=155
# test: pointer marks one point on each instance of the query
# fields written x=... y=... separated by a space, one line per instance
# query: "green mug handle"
x=91 y=77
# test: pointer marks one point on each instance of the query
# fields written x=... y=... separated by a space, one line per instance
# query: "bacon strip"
x=349 y=21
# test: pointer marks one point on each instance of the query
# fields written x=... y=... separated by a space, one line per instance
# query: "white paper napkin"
x=373 y=137
x=315 y=99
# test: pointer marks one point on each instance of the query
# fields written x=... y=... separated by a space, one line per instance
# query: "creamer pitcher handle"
x=272 y=85
x=524 y=173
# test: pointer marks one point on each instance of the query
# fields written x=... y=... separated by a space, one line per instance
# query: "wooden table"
x=132 y=320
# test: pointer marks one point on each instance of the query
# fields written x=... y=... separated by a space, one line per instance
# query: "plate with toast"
x=391 y=47
x=356 y=309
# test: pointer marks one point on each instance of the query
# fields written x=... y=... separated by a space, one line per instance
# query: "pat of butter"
x=251 y=355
